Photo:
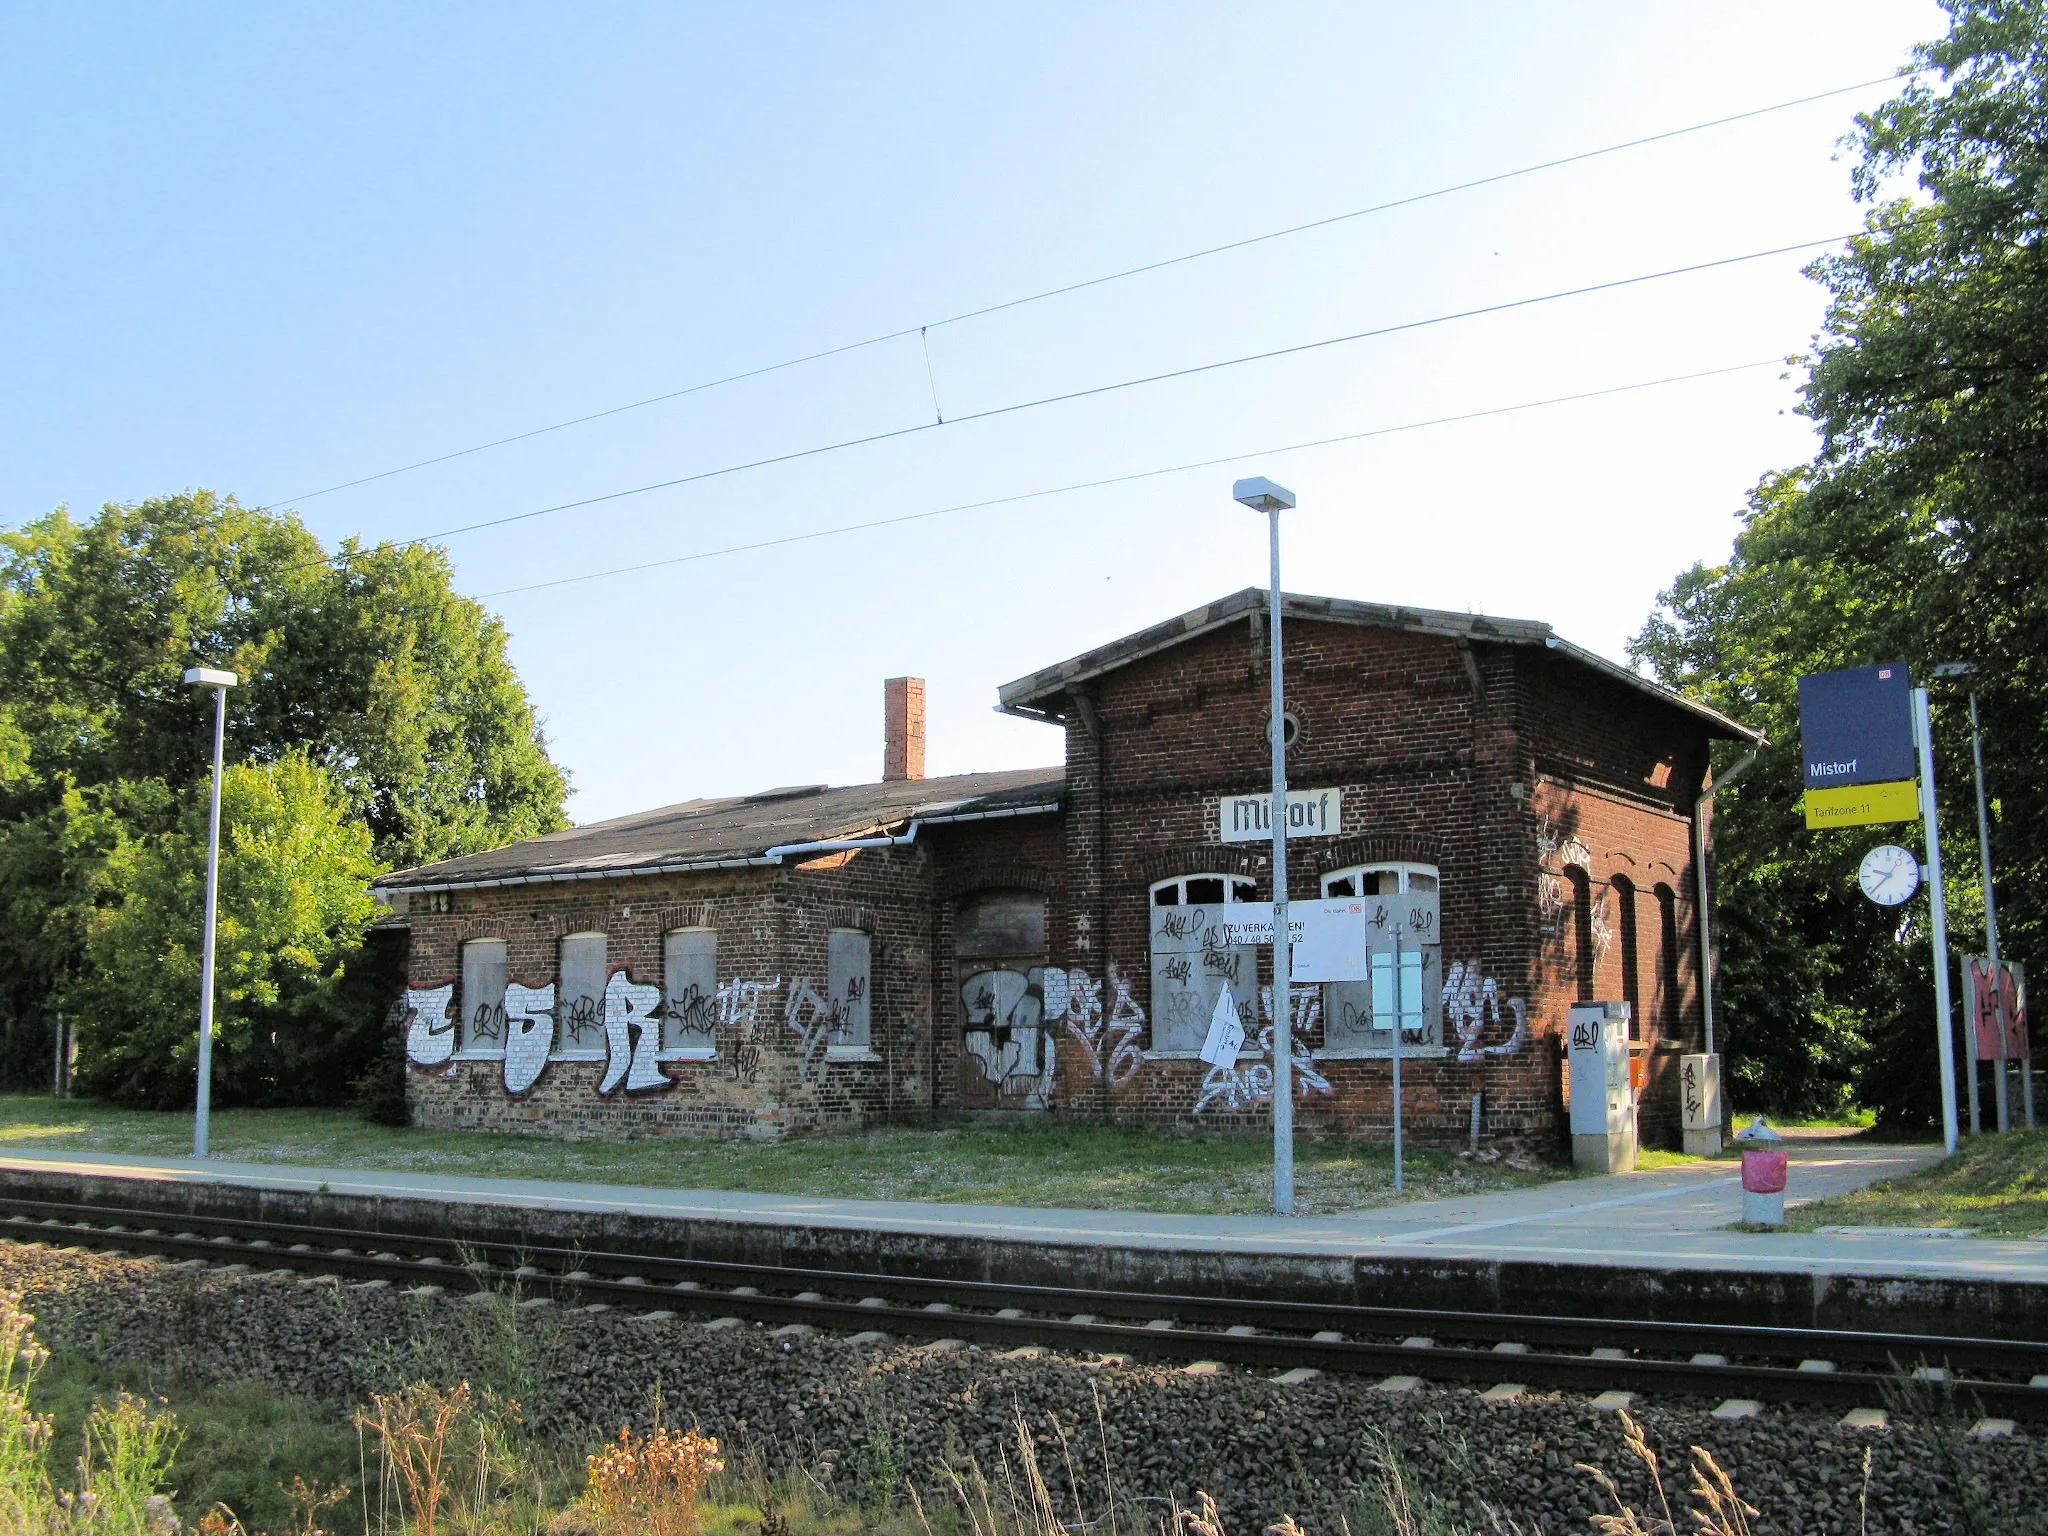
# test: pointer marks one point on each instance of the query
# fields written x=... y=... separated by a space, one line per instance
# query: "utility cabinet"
x=1603 y=1095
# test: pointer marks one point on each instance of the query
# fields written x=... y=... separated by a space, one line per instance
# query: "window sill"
x=1381 y=1053
x=478 y=1056
x=688 y=1053
x=577 y=1056
x=850 y=1053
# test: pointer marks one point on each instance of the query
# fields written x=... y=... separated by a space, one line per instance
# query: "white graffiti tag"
x=739 y=1017
x=1108 y=1038
x=529 y=1034
x=816 y=1023
x=1244 y=1085
x=430 y=1031
x=632 y=1036
x=1472 y=1002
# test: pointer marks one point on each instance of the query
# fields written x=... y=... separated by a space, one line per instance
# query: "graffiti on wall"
x=1245 y=1084
x=429 y=1027
x=1555 y=853
x=529 y=1034
x=1473 y=1004
x=632 y=1037
x=739 y=1019
x=1007 y=1036
x=1107 y=1034
x=819 y=1022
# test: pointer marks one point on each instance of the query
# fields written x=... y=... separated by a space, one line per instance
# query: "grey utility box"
x=1603 y=1095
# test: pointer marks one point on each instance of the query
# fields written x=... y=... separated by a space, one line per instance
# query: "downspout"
x=1699 y=867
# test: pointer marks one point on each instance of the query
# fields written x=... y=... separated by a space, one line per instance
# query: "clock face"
x=1890 y=874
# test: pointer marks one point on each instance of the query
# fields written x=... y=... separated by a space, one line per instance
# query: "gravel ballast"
x=865 y=1413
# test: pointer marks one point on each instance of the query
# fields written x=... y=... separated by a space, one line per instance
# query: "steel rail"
x=1317 y=1336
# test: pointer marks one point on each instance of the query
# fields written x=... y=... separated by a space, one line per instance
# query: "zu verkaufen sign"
x=1856 y=739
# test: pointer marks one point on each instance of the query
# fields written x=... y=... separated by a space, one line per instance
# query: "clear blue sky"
x=267 y=249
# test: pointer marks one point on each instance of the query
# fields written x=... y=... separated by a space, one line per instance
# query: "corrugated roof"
x=1037 y=697
x=738 y=830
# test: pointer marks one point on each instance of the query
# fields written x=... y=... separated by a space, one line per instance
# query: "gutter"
x=771 y=856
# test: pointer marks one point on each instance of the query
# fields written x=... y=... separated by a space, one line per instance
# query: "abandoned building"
x=1045 y=941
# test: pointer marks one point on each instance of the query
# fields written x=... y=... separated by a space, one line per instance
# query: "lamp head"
x=209 y=677
x=1262 y=495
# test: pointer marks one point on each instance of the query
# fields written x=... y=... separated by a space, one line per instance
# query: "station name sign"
x=1310 y=813
x=1856 y=741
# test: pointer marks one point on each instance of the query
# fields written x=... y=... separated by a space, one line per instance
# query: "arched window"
x=1631 y=979
x=482 y=1012
x=1583 y=957
x=689 y=985
x=1669 y=1013
x=1191 y=963
x=579 y=998
x=1358 y=1015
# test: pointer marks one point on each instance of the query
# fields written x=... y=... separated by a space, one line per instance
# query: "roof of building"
x=739 y=830
x=1042 y=695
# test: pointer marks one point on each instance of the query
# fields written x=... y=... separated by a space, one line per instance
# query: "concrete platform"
x=1644 y=1244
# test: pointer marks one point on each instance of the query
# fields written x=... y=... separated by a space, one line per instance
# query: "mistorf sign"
x=1856 y=735
x=1249 y=818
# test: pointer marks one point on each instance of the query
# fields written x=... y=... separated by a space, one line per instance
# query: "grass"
x=1994 y=1184
x=1054 y=1163
x=1840 y=1120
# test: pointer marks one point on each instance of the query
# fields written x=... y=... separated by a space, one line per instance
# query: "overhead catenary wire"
x=1094 y=391
x=1126 y=479
x=1119 y=275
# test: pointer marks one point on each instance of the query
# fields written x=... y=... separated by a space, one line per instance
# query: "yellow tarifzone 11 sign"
x=1863 y=805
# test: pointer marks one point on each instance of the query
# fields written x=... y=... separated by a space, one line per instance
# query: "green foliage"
x=294 y=901
x=1918 y=534
x=379 y=723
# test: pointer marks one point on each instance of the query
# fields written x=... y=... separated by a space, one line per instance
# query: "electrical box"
x=1603 y=1095
x=1699 y=1097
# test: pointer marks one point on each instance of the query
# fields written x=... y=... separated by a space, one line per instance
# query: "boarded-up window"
x=483 y=998
x=579 y=1000
x=689 y=1015
x=847 y=967
x=1358 y=1015
x=1191 y=965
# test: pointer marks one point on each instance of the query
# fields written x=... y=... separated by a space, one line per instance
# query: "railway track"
x=1728 y=1363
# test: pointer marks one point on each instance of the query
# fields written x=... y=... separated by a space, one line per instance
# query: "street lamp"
x=1262 y=495
x=220 y=683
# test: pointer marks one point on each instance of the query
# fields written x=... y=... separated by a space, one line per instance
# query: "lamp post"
x=220 y=683
x=1262 y=495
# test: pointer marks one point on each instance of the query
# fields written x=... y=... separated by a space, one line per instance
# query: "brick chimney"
x=903 y=728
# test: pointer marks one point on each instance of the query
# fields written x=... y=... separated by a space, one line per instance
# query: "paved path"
x=1668 y=1218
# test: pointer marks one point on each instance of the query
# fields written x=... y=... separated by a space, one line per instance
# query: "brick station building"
x=1051 y=941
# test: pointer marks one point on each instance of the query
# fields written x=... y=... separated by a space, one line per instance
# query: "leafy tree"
x=1919 y=533
x=365 y=670
x=294 y=901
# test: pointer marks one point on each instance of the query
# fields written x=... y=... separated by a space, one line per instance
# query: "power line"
x=1108 y=277
x=1143 y=474
x=1122 y=384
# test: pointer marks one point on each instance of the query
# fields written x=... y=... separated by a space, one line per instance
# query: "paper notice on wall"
x=1226 y=1032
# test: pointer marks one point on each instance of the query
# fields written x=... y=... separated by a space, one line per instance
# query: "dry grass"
x=1051 y=1164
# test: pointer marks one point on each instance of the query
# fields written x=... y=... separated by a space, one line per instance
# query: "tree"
x=1919 y=533
x=294 y=903
x=365 y=669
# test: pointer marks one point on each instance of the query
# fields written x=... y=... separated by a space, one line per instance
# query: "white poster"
x=1226 y=1032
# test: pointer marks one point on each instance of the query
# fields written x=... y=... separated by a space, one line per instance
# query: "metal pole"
x=1283 y=992
x=1937 y=906
x=1991 y=920
x=203 y=1103
x=1397 y=1061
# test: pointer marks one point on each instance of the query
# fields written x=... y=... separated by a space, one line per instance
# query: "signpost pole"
x=1262 y=495
x=1937 y=907
x=1397 y=1061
